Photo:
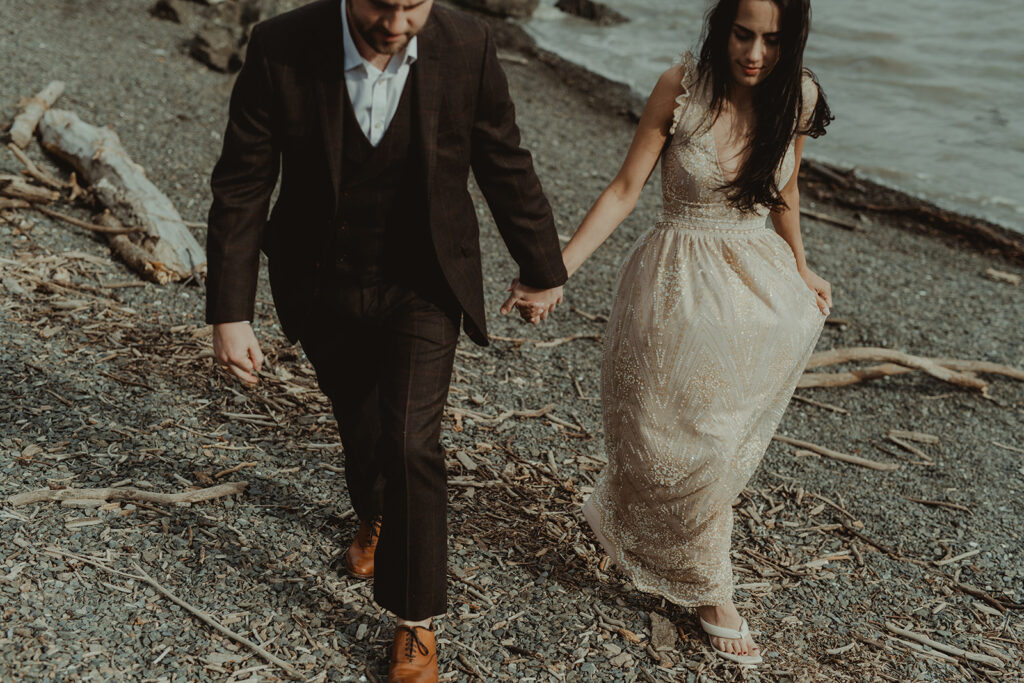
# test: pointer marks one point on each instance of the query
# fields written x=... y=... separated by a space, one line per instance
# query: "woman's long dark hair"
x=777 y=101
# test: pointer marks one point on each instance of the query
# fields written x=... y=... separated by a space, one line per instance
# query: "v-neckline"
x=717 y=155
x=714 y=152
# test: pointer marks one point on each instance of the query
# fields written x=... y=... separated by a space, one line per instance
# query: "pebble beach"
x=107 y=381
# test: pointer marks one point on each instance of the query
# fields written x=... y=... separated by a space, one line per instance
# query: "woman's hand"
x=821 y=288
x=533 y=304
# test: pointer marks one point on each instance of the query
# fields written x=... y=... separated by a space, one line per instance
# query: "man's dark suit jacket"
x=286 y=115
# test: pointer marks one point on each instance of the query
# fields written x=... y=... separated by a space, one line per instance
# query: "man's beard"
x=374 y=38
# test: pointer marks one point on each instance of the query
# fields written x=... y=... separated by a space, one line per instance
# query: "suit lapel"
x=328 y=62
x=428 y=96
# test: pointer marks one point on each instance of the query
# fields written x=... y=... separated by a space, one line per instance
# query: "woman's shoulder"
x=678 y=80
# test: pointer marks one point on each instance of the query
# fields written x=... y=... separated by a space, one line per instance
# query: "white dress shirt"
x=374 y=94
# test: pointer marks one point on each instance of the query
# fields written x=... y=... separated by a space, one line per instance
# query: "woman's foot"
x=593 y=518
x=726 y=617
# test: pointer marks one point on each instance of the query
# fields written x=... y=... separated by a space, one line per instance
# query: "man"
x=373 y=112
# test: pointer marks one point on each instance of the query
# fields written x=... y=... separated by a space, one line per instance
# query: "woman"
x=715 y=315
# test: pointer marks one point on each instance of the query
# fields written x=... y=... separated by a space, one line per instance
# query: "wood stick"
x=962 y=556
x=910 y=447
x=812 y=380
x=839 y=379
x=948 y=649
x=565 y=340
x=127 y=493
x=25 y=123
x=33 y=170
x=819 y=404
x=876 y=354
x=16 y=187
x=543 y=344
x=8 y=203
x=83 y=224
x=920 y=437
x=922 y=651
x=901 y=455
x=593 y=317
x=984 y=367
x=143 y=577
x=834 y=220
x=940 y=503
x=836 y=455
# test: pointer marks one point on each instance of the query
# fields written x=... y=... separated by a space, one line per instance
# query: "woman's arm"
x=787 y=225
x=620 y=197
x=787 y=220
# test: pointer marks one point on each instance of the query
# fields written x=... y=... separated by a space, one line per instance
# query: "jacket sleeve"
x=242 y=183
x=504 y=171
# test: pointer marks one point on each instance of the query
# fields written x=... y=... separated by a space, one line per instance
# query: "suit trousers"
x=383 y=354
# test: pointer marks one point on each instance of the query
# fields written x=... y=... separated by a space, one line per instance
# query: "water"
x=928 y=94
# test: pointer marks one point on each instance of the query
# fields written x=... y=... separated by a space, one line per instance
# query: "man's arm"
x=504 y=171
x=243 y=181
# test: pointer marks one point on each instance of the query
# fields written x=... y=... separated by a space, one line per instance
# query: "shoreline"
x=854 y=195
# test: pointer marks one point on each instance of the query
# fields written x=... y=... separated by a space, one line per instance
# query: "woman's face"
x=754 y=41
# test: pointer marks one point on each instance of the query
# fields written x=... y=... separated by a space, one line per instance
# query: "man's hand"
x=533 y=304
x=235 y=347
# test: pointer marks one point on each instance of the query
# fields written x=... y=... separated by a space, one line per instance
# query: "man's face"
x=387 y=26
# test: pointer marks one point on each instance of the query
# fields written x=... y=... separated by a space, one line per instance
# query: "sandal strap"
x=722 y=632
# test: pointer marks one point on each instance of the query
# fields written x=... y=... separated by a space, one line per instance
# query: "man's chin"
x=390 y=47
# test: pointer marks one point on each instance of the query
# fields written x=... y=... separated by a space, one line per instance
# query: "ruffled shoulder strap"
x=689 y=65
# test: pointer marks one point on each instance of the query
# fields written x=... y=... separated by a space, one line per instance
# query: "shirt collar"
x=354 y=60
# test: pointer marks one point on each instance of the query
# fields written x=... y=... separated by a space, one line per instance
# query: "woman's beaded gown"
x=710 y=329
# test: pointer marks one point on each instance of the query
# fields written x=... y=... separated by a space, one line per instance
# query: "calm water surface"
x=928 y=94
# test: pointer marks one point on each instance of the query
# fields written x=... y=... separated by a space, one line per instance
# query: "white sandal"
x=731 y=634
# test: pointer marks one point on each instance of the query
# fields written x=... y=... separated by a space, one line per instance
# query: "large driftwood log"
x=122 y=185
x=25 y=123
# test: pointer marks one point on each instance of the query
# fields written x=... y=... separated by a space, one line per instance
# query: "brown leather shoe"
x=359 y=556
x=413 y=656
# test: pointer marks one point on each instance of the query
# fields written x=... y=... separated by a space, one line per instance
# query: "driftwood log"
x=67 y=496
x=137 y=258
x=122 y=185
x=953 y=370
x=25 y=123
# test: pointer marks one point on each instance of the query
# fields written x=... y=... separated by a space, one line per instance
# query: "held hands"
x=821 y=288
x=235 y=347
x=533 y=304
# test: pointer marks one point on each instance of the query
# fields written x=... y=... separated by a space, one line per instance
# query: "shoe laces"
x=414 y=642
x=374 y=534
